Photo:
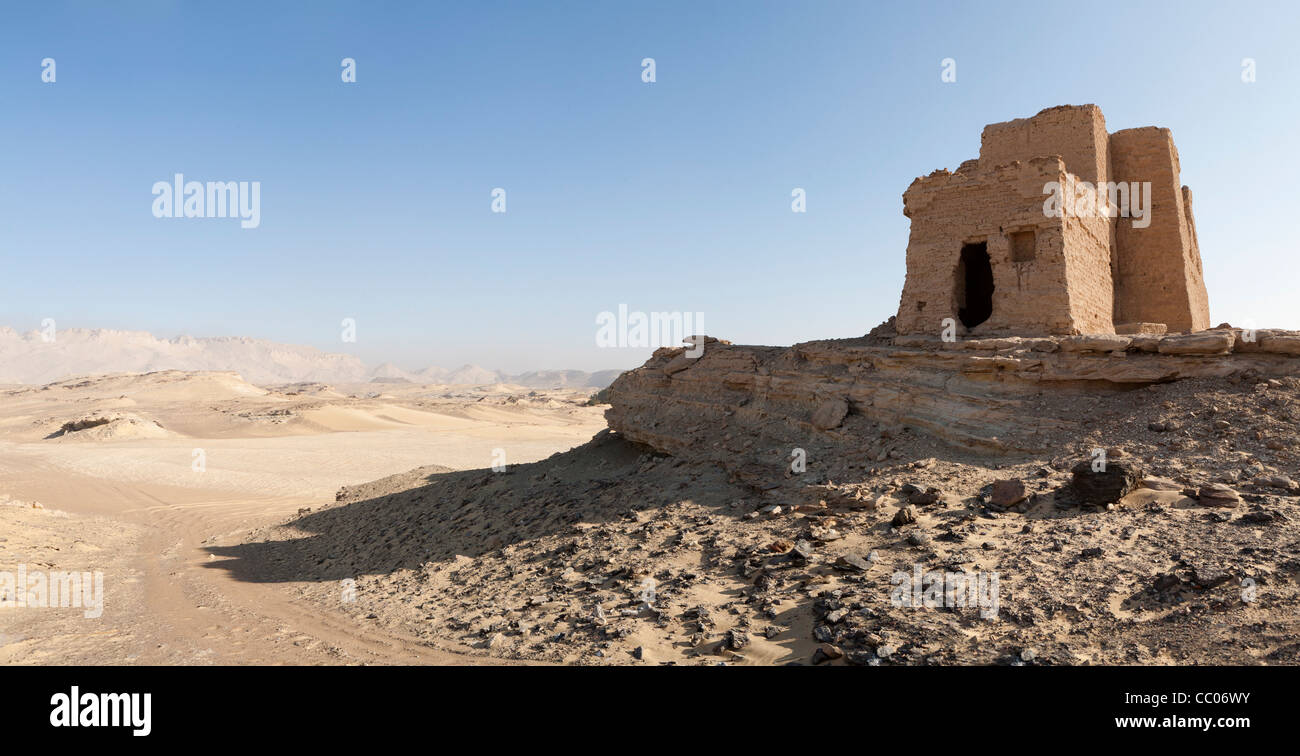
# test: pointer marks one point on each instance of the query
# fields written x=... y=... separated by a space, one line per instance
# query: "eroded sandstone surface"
x=747 y=405
x=689 y=535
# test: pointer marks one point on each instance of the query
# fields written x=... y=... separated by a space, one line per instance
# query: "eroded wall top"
x=1075 y=132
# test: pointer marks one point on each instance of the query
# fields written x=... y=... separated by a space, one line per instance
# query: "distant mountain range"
x=28 y=358
x=474 y=375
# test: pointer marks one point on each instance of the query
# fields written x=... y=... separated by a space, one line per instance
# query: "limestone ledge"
x=736 y=403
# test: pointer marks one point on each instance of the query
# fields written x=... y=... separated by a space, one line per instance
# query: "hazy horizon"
x=670 y=196
x=55 y=365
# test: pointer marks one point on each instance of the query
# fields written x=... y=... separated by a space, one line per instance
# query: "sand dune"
x=139 y=476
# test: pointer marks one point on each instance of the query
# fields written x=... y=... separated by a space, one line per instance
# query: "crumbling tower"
x=987 y=250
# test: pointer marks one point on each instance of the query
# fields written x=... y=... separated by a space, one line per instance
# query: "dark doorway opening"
x=974 y=285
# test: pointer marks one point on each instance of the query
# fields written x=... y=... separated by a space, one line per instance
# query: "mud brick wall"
x=1078 y=274
x=1076 y=133
x=1088 y=276
x=1157 y=268
x=949 y=210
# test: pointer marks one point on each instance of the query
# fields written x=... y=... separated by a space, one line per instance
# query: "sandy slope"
x=136 y=507
x=355 y=524
x=612 y=553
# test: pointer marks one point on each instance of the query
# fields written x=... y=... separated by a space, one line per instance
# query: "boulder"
x=1218 y=495
x=830 y=414
x=1008 y=493
x=1105 y=486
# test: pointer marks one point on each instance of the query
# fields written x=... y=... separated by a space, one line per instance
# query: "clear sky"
x=670 y=196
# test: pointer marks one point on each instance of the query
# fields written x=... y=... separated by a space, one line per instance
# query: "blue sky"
x=671 y=196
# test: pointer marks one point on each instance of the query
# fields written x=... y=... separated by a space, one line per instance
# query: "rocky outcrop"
x=755 y=405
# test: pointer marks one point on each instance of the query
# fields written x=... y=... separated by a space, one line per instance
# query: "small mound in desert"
x=107 y=426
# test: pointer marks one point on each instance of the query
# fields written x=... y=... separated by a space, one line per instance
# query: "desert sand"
x=367 y=524
x=148 y=477
x=754 y=506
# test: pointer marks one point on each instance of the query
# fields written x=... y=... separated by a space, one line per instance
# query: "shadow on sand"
x=465 y=513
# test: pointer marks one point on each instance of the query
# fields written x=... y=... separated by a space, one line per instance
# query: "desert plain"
x=872 y=501
x=173 y=468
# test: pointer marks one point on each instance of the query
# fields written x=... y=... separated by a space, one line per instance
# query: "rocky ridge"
x=1076 y=501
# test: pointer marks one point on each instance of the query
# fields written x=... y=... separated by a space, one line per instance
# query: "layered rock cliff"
x=862 y=400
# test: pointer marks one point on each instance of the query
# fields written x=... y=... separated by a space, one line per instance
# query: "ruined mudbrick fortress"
x=989 y=249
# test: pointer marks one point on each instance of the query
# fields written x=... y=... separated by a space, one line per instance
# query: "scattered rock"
x=1104 y=486
x=1008 y=493
x=1275 y=481
x=1218 y=495
x=925 y=498
x=852 y=563
x=826 y=652
x=904 y=516
x=1167 y=581
x=824 y=534
x=1209 y=577
x=801 y=552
